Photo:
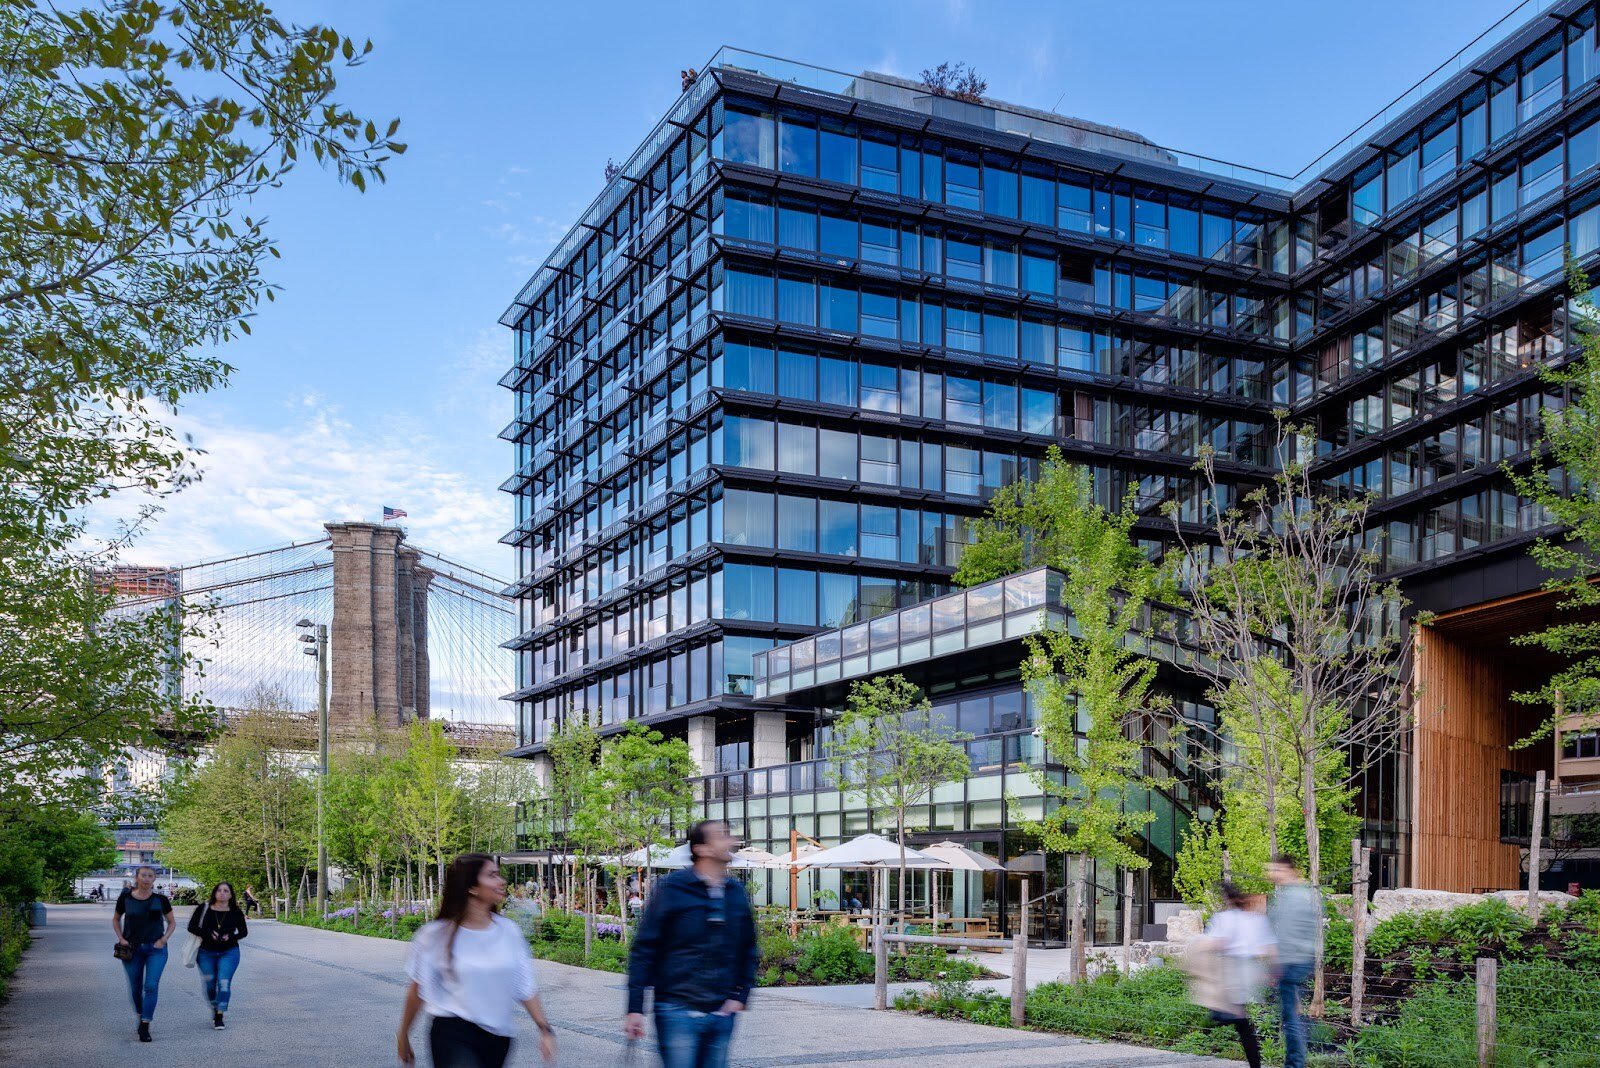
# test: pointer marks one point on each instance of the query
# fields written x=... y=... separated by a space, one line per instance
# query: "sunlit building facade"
x=817 y=319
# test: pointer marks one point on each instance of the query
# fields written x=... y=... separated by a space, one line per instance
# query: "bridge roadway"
x=308 y=998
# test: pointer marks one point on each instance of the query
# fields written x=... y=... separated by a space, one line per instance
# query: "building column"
x=702 y=732
x=769 y=739
x=544 y=767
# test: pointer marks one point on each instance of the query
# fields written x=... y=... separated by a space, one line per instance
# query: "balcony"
x=1004 y=610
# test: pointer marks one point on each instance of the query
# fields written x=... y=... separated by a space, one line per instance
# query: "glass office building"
x=817 y=318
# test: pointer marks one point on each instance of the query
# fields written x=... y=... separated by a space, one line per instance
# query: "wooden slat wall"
x=1465 y=723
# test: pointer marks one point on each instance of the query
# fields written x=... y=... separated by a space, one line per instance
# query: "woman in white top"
x=471 y=969
x=1241 y=934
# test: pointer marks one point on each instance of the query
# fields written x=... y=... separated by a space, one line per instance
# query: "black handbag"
x=122 y=951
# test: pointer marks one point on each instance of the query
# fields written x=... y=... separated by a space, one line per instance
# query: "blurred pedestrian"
x=250 y=902
x=1229 y=964
x=1296 y=917
x=696 y=947
x=144 y=923
x=219 y=924
x=471 y=968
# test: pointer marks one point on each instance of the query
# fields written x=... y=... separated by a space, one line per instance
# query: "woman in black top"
x=144 y=921
x=219 y=925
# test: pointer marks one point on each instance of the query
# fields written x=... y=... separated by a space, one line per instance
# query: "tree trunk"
x=1079 y=926
x=900 y=833
x=1308 y=810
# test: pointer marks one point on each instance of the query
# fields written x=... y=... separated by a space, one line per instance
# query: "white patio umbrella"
x=871 y=852
x=679 y=857
x=959 y=858
x=652 y=857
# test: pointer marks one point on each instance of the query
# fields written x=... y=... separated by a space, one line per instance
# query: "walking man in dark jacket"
x=697 y=947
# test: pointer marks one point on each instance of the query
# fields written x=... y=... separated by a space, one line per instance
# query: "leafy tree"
x=358 y=812
x=427 y=804
x=1289 y=580
x=639 y=791
x=248 y=813
x=1565 y=484
x=1093 y=693
x=574 y=750
x=43 y=850
x=133 y=137
x=492 y=787
x=888 y=750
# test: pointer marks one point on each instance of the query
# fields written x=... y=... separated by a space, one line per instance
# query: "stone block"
x=1518 y=899
x=1185 y=924
x=1387 y=904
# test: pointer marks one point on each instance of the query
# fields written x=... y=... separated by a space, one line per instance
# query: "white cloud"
x=264 y=486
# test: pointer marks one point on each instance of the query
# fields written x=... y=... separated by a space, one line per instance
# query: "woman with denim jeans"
x=219 y=924
x=143 y=921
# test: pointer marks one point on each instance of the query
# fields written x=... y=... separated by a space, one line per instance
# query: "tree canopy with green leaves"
x=1093 y=692
x=1565 y=483
x=890 y=751
x=1289 y=579
x=638 y=792
x=134 y=136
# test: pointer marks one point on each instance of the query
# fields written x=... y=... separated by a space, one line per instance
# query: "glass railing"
x=1033 y=123
x=1362 y=136
x=994 y=612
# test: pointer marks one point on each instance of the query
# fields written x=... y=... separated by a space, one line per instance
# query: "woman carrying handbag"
x=215 y=930
x=143 y=921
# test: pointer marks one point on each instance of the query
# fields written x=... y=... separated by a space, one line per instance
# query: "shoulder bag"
x=191 y=948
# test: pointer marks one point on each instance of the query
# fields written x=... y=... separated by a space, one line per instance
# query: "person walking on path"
x=250 y=902
x=696 y=946
x=219 y=924
x=1296 y=915
x=1239 y=941
x=144 y=922
x=471 y=968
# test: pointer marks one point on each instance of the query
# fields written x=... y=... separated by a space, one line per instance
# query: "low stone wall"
x=1387 y=904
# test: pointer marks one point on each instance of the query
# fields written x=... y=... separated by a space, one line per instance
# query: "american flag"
x=393 y=513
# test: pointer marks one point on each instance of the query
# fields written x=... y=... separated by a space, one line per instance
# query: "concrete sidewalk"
x=304 y=997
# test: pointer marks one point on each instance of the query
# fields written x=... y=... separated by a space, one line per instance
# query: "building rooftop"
x=1519 y=25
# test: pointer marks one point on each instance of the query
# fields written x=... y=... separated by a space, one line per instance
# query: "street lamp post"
x=319 y=649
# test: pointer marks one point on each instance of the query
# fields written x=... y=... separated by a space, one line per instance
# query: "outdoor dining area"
x=866 y=868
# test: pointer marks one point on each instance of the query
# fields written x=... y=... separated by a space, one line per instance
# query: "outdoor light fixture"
x=309 y=652
x=307 y=638
x=304 y=623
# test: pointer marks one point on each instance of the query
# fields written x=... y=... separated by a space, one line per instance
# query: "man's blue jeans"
x=1291 y=984
x=217 y=967
x=691 y=1039
x=144 y=977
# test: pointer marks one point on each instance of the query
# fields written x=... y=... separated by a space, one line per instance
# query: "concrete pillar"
x=769 y=739
x=702 y=731
x=543 y=768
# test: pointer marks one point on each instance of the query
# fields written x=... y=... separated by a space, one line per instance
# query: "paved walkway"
x=304 y=997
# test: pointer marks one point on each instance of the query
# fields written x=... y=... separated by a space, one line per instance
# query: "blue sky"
x=371 y=380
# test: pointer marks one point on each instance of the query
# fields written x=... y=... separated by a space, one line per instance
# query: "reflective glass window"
x=797 y=375
x=797 y=597
x=836 y=528
x=838 y=157
x=961 y=189
x=797 y=145
x=836 y=454
x=747 y=137
x=749 y=218
x=797 y=449
x=880 y=164
x=797 y=523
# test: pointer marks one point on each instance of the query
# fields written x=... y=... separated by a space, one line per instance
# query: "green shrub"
x=14 y=938
x=791 y=978
x=832 y=956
